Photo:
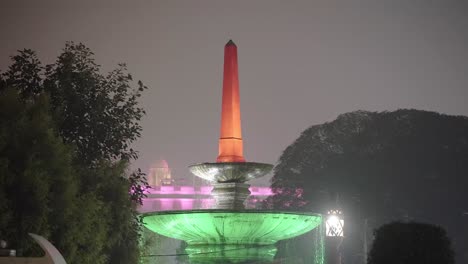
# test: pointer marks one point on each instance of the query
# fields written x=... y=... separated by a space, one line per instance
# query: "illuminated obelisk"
x=230 y=141
x=231 y=171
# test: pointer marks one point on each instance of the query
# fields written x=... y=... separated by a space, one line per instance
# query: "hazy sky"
x=300 y=62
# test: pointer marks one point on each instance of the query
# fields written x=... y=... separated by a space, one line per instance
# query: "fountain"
x=229 y=233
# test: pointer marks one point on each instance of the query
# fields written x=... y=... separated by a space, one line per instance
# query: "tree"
x=411 y=243
x=37 y=181
x=96 y=117
x=99 y=114
x=406 y=164
x=25 y=74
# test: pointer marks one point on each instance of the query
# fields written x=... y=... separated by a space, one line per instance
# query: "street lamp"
x=334 y=224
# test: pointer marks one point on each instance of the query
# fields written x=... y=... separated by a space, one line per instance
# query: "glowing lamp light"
x=334 y=224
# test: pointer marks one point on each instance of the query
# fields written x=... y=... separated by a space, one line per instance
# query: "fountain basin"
x=230 y=171
x=228 y=227
x=222 y=254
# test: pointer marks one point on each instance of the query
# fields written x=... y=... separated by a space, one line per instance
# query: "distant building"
x=160 y=174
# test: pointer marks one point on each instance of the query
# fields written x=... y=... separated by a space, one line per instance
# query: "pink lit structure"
x=164 y=198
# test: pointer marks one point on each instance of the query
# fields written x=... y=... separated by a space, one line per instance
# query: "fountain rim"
x=168 y=212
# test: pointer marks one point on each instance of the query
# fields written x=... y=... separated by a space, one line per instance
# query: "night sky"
x=300 y=62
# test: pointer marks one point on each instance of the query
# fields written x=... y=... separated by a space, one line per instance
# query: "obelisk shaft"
x=230 y=142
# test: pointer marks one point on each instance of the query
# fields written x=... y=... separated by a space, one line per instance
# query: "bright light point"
x=333 y=220
x=334 y=225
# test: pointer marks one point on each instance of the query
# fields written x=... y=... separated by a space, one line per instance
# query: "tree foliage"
x=99 y=114
x=38 y=184
x=25 y=74
x=406 y=164
x=410 y=243
x=86 y=206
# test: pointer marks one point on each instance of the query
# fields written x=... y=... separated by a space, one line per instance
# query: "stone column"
x=230 y=195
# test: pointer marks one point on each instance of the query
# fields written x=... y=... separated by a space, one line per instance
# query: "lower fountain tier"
x=229 y=227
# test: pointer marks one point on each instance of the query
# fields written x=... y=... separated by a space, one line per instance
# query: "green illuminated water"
x=319 y=245
x=226 y=236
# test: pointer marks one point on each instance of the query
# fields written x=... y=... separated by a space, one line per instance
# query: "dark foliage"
x=38 y=185
x=99 y=114
x=25 y=74
x=410 y=243
x=88 y=207
x=406 y=164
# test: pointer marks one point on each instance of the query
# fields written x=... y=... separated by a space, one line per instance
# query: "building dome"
x=160 y=164
x=160 y=174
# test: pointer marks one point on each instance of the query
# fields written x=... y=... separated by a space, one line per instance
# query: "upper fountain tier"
x=224 y=172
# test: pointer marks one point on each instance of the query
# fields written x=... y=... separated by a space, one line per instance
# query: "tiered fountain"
x=229 y=233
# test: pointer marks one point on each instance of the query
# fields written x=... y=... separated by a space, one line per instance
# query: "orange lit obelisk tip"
x=230 y=141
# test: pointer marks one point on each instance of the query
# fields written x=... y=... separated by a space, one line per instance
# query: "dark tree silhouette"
x=410 y=243
x=97 y=118
x=406 y=164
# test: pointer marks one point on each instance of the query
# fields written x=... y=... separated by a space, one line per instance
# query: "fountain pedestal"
x=230 y=195
x=222 y=254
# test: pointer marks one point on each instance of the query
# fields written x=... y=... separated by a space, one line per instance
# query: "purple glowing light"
x=163 y=198
x=203 y=190
x=170 y=204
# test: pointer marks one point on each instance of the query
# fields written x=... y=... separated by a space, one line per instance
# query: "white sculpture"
x=52 y=255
